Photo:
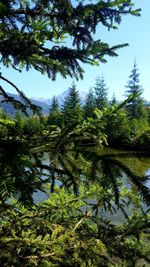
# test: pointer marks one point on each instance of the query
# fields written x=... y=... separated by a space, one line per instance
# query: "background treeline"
x=128 y=127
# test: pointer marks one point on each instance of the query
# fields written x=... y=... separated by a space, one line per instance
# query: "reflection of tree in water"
x=108 y=169
x=139 y=164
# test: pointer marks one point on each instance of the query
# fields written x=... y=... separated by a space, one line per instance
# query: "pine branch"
x=38 y=23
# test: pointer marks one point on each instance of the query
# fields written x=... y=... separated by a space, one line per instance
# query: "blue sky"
x=133 y=30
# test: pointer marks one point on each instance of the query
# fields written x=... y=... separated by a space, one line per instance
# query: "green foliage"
x=55 y=116
x=117 y=127
x=54 y=107
x=144 y=139
x=71 y=109
x=90 y=105
x=137 y=128
x=135 y=108
x=28 y=27
x=96 y=98
x=55 y=38
x=100 y=93
x=113 y=100
x=65 y=231
x=123 y=131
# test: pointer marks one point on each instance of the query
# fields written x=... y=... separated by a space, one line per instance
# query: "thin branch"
x=12 y=84
x=26 y=100
x=82 y=219
x=40 y=256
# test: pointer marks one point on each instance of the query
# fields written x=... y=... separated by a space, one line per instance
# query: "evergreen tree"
x=100 y=90
x=54 y=117
x=71 y=109
x=90 y=104
x=113 y=100
x=135 y=108
x=54 y=107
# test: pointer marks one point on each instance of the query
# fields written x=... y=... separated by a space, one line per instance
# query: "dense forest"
x=59 y=154
x=126 y=124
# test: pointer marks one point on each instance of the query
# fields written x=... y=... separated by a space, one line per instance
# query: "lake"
x=138 y=162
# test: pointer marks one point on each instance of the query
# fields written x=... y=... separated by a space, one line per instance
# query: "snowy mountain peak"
x=61 y=97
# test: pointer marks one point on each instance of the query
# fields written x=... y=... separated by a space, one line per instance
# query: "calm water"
x=138 y=162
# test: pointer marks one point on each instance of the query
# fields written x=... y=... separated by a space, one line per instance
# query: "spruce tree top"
x=71 y=109
x=133 y=83
x=101 y=93
x=72 y=99
x=54 y=107
x=135 y=107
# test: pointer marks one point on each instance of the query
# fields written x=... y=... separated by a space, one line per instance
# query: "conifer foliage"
x=32 y=33
x=90 y=104
x=135 y=108
x=54 y=117
x=100 y=90
x=71 y=109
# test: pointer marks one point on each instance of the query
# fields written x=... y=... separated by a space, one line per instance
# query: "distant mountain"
x=41 y=99
x=61 y=98
x=41 y=102
x=9 y=108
